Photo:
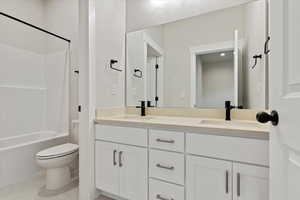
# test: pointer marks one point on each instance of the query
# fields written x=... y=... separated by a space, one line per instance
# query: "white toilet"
x=56 y=160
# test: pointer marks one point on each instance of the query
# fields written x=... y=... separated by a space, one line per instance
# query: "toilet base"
x=57 y=178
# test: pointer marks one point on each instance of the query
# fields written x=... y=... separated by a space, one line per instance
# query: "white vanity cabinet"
x=166 y=165
x=221 y=176
x=167 y=140
x=121 y=169
x=208 y=179
x=250 y=182
x=217 y=179
x=133 y=172
x=159 y=190
x=151 y=164
x=107 y=171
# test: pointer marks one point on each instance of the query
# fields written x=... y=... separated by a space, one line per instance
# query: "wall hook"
x=112 y=62
x=255 y=57
x=267 y=51
x=138 y=73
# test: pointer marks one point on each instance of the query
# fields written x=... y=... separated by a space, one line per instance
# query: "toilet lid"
x=59 y=150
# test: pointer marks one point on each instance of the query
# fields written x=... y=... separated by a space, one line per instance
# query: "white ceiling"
x=216 y=57
x=145 y=13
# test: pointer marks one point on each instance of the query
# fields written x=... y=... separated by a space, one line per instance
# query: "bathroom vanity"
x=181 y=158
x=180 y=73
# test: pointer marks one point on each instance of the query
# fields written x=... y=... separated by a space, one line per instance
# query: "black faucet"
x=143 y=108
x=149 y=104
x=228 y=108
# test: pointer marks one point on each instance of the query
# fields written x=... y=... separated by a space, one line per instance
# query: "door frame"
x=149 y=41
x=87 y=98
x=201 y=50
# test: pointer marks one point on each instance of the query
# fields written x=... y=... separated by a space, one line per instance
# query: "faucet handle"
x=227 y=104
x=143 y=103
x=149 y=104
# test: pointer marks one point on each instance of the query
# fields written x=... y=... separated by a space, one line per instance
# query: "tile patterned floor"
x=29 y=191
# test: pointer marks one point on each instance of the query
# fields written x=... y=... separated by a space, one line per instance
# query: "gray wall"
x=179 y=36
x=110 y=44
x=217 y=84
x=255 y=79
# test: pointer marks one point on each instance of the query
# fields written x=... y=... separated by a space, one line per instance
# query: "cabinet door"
x=208 y=179
x=106 y=167
x=133 y=172
x=250 y=182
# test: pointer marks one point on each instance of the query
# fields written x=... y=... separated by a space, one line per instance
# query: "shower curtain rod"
x=35 y=27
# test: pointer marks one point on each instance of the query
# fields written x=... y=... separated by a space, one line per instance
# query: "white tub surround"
x=34 y=107
x=171 y=157
x=11 y=143
x=17 y=154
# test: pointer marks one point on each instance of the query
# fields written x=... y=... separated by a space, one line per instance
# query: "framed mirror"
x=201 y=61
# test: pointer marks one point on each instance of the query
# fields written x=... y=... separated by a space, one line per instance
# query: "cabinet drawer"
x=166 y=140
x=165 y=191
x=230 y=148
x=167 y=166
x=124 y=135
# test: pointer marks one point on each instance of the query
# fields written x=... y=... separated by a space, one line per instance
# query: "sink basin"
x=135 y=117
x=243 y=124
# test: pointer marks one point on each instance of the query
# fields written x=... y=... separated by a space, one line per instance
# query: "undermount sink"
x=245 y=124
x=135 y=117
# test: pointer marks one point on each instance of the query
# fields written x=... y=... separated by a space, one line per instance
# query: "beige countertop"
x=235 y=128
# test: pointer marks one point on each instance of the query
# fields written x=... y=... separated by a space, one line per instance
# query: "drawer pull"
x=120 y=159
x=162 y=198
x=114 y=158
x=165 y=167
x=238 y=184
x=165 y=141
x=227 y=182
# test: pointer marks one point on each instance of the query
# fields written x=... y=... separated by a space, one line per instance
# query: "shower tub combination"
x=17 y=154
x=34 y=103
x=34 y=109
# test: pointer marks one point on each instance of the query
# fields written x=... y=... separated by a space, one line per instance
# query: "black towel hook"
x=267 y=51
x=255 y=57
x=112 y=62
x=138 y=73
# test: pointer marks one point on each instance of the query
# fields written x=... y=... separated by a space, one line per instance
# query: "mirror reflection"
x=201 y=61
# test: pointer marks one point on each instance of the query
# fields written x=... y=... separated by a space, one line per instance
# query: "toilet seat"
x=57 y=151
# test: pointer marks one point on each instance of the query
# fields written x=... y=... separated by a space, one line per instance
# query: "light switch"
x=114 y=89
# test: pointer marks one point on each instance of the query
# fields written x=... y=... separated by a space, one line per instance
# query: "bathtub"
x=17 y=154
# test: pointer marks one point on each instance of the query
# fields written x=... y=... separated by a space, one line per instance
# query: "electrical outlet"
x=114 y=90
